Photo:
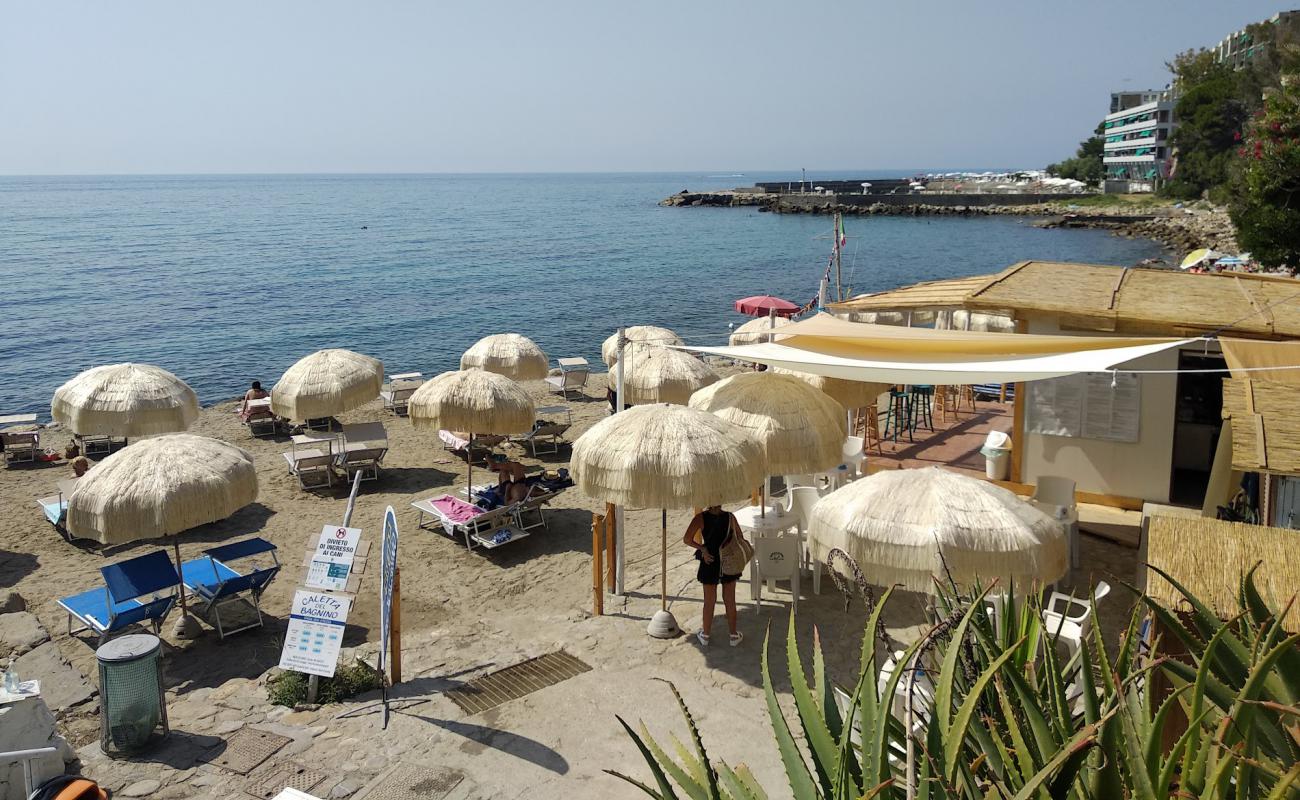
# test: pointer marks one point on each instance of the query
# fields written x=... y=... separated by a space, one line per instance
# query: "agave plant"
x=1008 y=718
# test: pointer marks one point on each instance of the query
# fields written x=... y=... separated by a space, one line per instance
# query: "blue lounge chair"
x=213 y=581
x=134 y=591
x=55 y=507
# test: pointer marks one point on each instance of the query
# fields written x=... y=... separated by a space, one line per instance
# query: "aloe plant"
x=1009 y=718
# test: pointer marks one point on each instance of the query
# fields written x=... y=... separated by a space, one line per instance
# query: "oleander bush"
x=1011 y=718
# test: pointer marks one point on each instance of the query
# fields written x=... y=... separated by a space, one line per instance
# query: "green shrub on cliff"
x=1266 y=204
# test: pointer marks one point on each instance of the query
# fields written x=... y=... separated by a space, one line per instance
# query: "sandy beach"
x=464 y=614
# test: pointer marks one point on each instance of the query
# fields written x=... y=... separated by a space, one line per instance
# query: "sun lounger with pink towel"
x=459 y=518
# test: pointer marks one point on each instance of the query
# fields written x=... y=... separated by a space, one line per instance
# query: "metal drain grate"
x=245 y=749
x=271 y=781
x=410 y=781
x=514 y=682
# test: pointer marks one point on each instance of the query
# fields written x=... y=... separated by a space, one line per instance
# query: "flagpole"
x=839 y=287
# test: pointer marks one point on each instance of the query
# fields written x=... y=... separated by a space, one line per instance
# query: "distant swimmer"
x=365 y=227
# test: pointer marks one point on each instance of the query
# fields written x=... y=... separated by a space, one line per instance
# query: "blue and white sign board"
x=389 y=565
x=331 y=563
x=315 y=633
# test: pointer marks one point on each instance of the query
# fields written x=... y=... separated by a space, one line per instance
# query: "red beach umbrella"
x=760 y=305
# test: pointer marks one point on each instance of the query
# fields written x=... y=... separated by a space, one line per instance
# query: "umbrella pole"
x=176 y=544
x=469 y=468
x=663 y=561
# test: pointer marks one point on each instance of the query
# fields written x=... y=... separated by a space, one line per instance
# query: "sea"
x=228 y=279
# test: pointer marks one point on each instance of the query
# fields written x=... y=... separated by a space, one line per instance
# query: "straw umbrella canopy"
x=161 y=487
x=125 y=400
x=666 y=456
x=509 y=354
x=757 y=330
x=800 y=428
x=906 y=526
x=849 y=394
x=651 y=335
x=474 y=401
x=664 y=375
x=327 y=383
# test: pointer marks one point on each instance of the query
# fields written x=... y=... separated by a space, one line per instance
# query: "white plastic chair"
x=1053 y=490
x=854 y=456
x=791 y=483
x=802 y=500
x=777 y=559
x=923 y=686
x=1059 y=624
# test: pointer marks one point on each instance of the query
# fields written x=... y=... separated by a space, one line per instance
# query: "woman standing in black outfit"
x=707 y=533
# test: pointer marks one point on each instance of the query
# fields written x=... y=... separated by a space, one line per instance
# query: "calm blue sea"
x=227 y=279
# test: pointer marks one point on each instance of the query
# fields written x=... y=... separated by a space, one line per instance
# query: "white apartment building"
x=1136 y=153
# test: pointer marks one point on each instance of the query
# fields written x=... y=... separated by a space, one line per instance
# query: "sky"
x=158 y=86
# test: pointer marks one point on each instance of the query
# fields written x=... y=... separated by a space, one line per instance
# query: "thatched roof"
x=757 y=330
x=327 y=383
x=125 y=400
x=1106 y=298
x=510 y=354
x=801 y=428
x=644 y=335
x=473 y=401
x=1265 y=419
x=161 y=486
x=1210 y=556
x=897 y=523
x=666 y=456
x=663 y=375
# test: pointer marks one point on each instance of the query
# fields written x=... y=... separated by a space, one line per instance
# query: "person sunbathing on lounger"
x=255 y=393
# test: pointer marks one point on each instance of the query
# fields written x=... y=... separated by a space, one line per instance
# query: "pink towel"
x=454 y=509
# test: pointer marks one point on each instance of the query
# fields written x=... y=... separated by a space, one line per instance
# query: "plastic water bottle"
x=11 y=678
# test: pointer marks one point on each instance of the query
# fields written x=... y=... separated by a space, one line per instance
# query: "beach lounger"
x=458 y=443
x=572 y=378
x=215 y=583
x=312 y=468
x=98 y=444
x=365 y=460
x=55 y=507
x=21 y=447
x=397 y=394
x=548 y=433
x=261 y=420
x=141 y=589
x=457 y=518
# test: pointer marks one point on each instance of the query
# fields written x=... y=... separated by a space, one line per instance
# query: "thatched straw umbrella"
x=757 y=330
x=849 y=394
x=160 y=487
x=799 y=427
x=641 y=336
x=906 y=526
x=327 y=383
x=664 y=375
x=475 y=401
x=666 y=456
x=125 y=400
x=509 y=354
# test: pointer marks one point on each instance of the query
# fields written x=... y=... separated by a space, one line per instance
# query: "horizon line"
x=732 y=173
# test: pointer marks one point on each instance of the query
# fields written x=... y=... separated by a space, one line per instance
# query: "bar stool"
x=945 y=400
x=898 y=415
x=922 y=397
x=966 y=396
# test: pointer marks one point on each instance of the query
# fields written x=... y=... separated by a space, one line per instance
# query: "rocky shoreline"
x=1180 y=230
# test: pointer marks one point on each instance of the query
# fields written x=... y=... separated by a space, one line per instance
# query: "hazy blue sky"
x=375 y=85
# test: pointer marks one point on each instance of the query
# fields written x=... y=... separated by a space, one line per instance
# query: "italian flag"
x=842 y=238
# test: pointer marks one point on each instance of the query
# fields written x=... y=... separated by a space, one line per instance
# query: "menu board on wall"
x=1085 y=406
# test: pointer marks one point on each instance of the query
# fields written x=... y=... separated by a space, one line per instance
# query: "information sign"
x=331 y=563
x=315 y=633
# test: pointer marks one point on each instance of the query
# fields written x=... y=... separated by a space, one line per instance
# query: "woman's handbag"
x=736 y=552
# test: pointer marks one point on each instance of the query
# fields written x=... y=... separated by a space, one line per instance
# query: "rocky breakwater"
x=1182 y=230
x=725 y=197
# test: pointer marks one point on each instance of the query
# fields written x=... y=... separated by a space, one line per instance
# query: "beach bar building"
x=1149 y=434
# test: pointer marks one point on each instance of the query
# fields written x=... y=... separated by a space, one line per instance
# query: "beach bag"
x=736 y=552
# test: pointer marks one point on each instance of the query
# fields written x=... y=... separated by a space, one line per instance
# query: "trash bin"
x=132 y=706
x=997 y=455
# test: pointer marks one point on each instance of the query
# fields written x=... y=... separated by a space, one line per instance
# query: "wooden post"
x=611 y=547
x=395 y=632
x=597 y=549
